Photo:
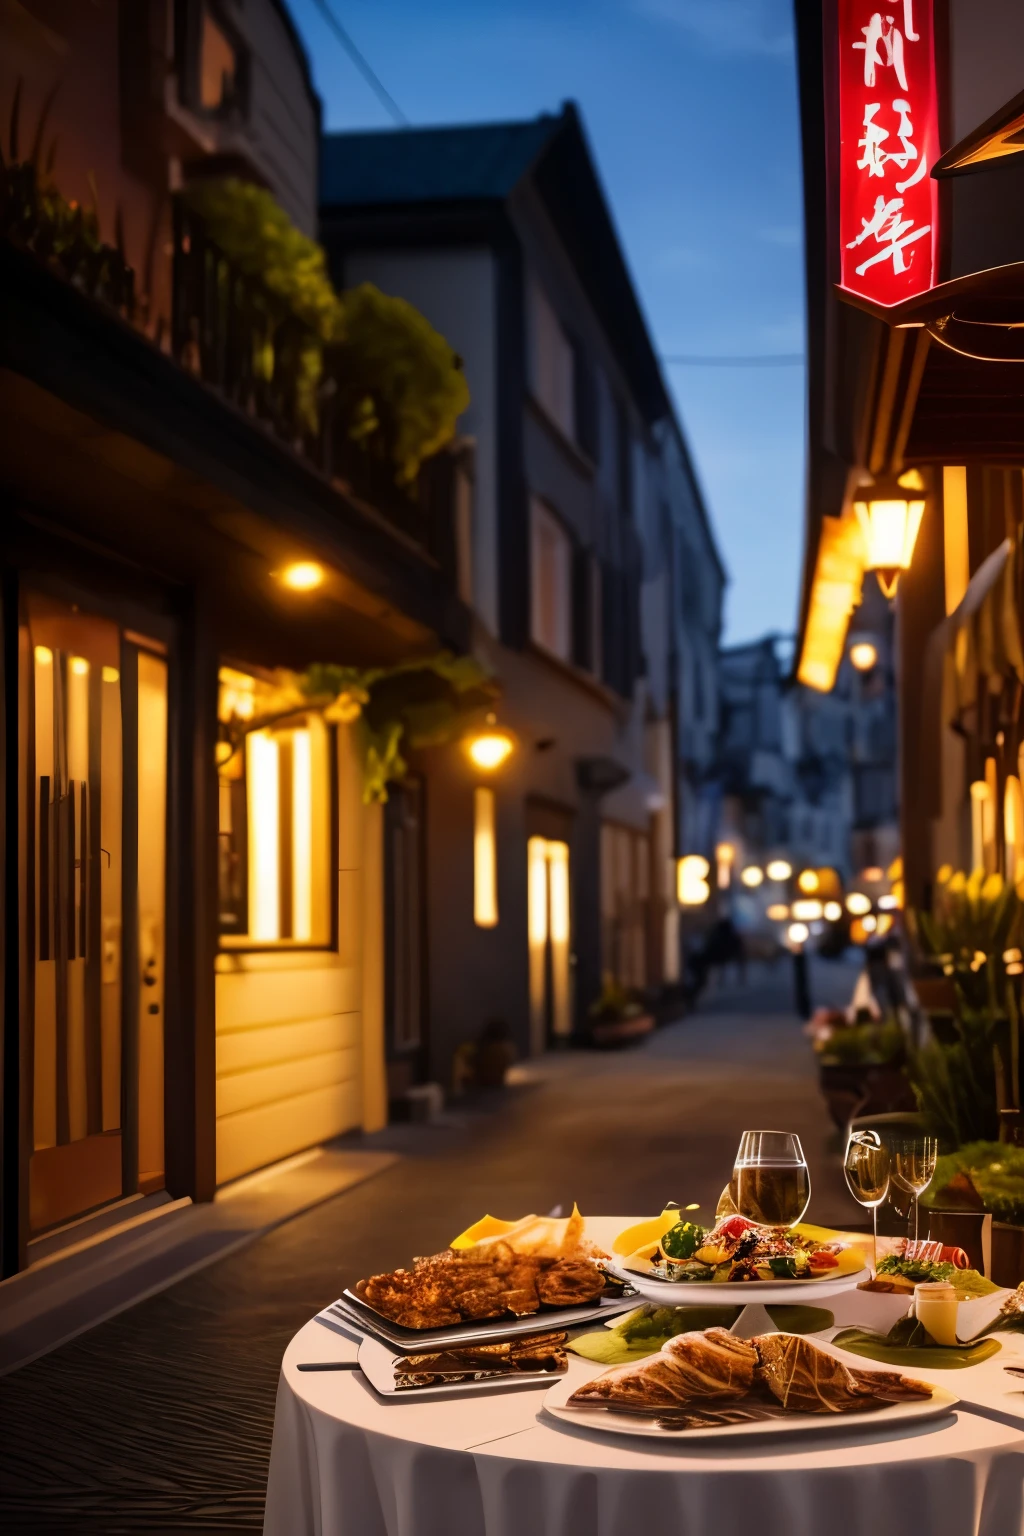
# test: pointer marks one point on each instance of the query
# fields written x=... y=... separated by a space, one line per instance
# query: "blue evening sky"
x=692 y=114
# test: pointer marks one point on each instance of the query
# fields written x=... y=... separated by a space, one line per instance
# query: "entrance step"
x=113 y=1264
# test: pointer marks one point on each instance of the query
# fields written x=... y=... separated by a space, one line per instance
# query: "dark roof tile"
x=479 y=161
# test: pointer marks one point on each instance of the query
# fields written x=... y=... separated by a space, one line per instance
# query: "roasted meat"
x=467 y=1285
x=809 y=1380
x=691 y=1368
x=536 y=1352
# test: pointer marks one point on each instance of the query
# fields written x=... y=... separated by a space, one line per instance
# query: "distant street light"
x=857 y=904
x=779 y=870
x=807 y=911
x=808 y=881
x=833 y=911
x=752 y=876
x=692 y=888
x=863 y=655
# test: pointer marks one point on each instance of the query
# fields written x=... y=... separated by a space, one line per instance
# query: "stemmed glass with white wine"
x=868 y=1169
x=914 y=1159
x=771 y=1183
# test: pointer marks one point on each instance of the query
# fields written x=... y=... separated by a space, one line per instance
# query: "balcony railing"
x=243 y=340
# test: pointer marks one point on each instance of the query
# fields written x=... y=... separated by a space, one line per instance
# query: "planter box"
x=864 y=1088
x=609 y=1033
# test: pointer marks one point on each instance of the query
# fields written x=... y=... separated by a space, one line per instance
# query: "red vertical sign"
x=889 y=141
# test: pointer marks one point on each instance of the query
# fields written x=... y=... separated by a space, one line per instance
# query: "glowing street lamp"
x=857 y=904
x=863 y=655
x=890 y=514
x=752 y=877
x=780 y=870
x=808 y=881
x=692 y=886
x=303 y=576
x=833 y=911
x=490 y=748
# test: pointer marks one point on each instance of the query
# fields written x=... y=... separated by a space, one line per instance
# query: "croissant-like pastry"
x=809 y=1380
x=692 y=1367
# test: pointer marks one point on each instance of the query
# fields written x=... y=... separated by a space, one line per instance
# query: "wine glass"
x=771 y=1183
x=914 y=1167
x=867 y=1169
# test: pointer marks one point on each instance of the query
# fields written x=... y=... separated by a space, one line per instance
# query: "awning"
x=1000 y=135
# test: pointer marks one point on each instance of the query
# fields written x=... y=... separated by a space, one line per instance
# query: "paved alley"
x=160 y=1419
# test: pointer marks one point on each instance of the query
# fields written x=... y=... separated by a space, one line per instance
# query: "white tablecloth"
x=346 y=1462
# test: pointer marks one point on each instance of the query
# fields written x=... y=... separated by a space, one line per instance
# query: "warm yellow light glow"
x=779 y=869
x=872 y=875
x=890 y=528
x=1013 y=828
x=490 y=749
x=858 y=933
x=833 y=911
x=807 y=911
x=485 y=860
x=302 y=835
x=752 y=877
x=111 y=675
x=882 y=924
x=1012 y=956
x=558 y=857
x=263 y=778
x=236 y=698
x=778 y=912
x=869 y=923
x=537 y=893
x=303 y=576
x=725 y=853
x=44 y=656
x=692 y=888
x=897 y=894
x=895 y=870
x=857 y=904
x=863 y=655
x=835 y=593
x=808 y=881
x=223 y=752
x=888 y=903
x=79 y=666
x=799 y=933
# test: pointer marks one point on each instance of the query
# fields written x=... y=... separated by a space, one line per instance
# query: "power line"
x=363 y=65
x=760 y=360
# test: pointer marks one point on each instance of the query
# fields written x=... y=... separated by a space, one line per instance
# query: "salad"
x=737 y=1250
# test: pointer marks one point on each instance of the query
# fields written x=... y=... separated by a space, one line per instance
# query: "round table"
x=346 y=1462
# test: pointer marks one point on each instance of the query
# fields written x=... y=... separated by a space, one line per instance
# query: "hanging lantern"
x=890 y=514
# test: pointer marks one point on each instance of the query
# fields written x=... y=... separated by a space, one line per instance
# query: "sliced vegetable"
x=683 y=1241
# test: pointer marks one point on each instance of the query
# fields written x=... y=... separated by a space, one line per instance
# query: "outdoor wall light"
x=808 y=881
x=692 y=888
x=779 y=870
x=863 y=655
x=799 y=933
x=890 y=520
x=303 y=576
x=491 y=747
x=44 y=656
x=807 y=911
x=79 y=666
x=752 y=877
x=857 y=904
x=778 y=913
x=833 y=911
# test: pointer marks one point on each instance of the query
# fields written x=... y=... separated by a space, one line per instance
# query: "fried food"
x=533 y=1353
x=477 y=1284
x=691 y=1368
x=809 y=1380
x=715 y=1368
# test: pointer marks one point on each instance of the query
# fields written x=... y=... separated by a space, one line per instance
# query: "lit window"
x=274 y=824
x=551 y=589
x=485 y=860
x=552 y=363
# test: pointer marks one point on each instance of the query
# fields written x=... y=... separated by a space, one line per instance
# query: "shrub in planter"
x=618 y=1015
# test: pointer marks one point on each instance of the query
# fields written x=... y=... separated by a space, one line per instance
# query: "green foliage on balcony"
x=398 y=387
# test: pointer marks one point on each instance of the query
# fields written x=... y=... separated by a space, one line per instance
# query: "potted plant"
x=861 y=1062
x=618 y=1017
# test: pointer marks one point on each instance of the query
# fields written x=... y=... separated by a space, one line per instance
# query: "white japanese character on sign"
x=908 y=22
x=874 y=157
x=882 y=34
x=891 y=232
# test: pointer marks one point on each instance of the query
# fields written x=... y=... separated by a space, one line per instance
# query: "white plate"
x=895 y=1416
x=377 y=1363
x=673 y=1293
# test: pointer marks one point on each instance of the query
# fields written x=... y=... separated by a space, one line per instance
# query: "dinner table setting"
x=561 y=1375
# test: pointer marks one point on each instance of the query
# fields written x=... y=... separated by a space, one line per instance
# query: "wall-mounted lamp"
x=490 y=748
x=303 y=576
x=890 y=513
x=863 y=655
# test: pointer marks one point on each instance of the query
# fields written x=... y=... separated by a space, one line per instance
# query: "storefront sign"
x=889 y=141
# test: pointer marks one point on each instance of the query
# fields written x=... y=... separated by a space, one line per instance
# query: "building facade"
x=586 y=520
x=916 y=412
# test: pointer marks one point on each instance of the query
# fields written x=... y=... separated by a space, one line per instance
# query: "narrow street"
x=160 y=1420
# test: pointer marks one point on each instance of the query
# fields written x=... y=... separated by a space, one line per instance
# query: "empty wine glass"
x=914 y=1159
x=771 y=1183
x=867 y=1169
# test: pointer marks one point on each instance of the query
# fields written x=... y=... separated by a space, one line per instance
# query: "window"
x=552 y=363
x=212 y=62
x=551 y=583
x=275 y=818
x=485 y=860
x=586 y=597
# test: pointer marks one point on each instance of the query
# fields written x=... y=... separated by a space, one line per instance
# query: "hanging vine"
x=424 y=702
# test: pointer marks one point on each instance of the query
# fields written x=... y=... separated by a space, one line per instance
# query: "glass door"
x=95 y=756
